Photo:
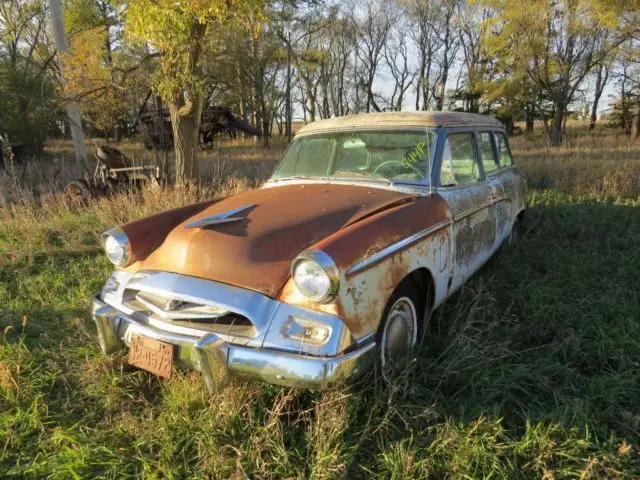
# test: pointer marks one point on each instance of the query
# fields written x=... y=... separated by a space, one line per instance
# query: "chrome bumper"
x=218 y=360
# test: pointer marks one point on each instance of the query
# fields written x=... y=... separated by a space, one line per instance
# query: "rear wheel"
x=514 y=235
x=398 y=332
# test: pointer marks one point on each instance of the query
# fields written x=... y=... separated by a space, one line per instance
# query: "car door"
x=498 y=179
x=462 y=184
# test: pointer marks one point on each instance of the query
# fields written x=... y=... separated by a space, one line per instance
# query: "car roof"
x=402 y=119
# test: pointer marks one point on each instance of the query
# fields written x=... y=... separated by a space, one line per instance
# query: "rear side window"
x=489 y=161
x=459 y=165
x=504 y=154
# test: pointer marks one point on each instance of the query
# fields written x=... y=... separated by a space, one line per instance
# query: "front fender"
x=365 y=290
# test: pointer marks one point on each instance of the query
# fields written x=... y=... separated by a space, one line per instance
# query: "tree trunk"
x=600 y=84
x=288 y=91
x=303 y=101
x=530 y=113
x=508 y=126
x=419 y=84
x=555 y=135
x=635 y=126
x=440 y=99
x=635 y=123
x=185 y=124
x=266 y=129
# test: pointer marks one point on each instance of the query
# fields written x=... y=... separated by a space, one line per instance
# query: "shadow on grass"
x=547 y=333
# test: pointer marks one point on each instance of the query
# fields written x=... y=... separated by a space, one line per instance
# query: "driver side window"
x=459 y=163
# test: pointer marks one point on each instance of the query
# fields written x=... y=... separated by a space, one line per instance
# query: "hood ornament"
x=218 y=218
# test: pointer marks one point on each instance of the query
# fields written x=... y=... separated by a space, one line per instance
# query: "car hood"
x=275 y=225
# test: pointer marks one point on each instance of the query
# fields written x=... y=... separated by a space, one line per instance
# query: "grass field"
x=531 y=371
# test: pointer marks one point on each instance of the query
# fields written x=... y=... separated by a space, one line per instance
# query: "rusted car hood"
x=256 y=252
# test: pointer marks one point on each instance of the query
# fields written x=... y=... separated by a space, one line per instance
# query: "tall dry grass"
x=36 y=217
x=604 y=161
x=229 y=161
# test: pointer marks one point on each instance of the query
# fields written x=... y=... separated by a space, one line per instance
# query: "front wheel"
x=398 y=332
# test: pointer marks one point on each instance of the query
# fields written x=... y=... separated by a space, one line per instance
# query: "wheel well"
x=423 y=282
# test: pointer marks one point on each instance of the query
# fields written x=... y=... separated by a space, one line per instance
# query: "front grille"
x=210 y=318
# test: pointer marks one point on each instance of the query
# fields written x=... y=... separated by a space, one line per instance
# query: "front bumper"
x=218 y=360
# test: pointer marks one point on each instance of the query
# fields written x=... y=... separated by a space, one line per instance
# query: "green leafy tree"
x=106 y=78
x=182 y=34
x=556 y=44
x=27 y=94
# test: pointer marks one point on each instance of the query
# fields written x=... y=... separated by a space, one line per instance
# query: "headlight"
x=116 y=246
x=315 y=275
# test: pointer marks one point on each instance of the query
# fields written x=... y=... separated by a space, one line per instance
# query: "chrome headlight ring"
x=327 y=265
x=117 y=246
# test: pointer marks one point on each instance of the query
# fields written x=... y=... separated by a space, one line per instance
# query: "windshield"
x=391 y=155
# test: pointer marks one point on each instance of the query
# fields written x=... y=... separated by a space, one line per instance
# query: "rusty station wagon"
x=367 y=225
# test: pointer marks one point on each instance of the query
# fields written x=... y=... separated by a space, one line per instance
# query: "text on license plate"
x=151 y=355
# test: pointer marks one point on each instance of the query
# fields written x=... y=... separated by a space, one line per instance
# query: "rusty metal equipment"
x=114 y=171
x=154 y=125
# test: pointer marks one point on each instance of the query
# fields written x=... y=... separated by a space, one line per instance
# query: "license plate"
x=151 y=355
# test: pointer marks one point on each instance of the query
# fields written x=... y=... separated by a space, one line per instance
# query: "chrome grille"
x=211 y=318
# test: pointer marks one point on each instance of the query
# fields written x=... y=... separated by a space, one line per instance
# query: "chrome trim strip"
x=408 y=188
x=385 y=252
x=448 y=188
x=218 y=218
x=182 y=314
x=501 y=198
x=470 y=211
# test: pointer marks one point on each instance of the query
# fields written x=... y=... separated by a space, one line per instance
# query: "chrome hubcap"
x=399 y=334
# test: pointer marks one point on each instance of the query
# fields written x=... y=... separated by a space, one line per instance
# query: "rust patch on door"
x=474 y=234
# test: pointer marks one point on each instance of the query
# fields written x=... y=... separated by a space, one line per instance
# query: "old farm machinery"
x=154 y=126
x=114 y=170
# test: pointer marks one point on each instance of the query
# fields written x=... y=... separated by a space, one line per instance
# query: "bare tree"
x=478 y=66
x=341 y=51
x=602 y=77
x=372 y=30
x=396 y=54
x=423 y=29
x=450 y=43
